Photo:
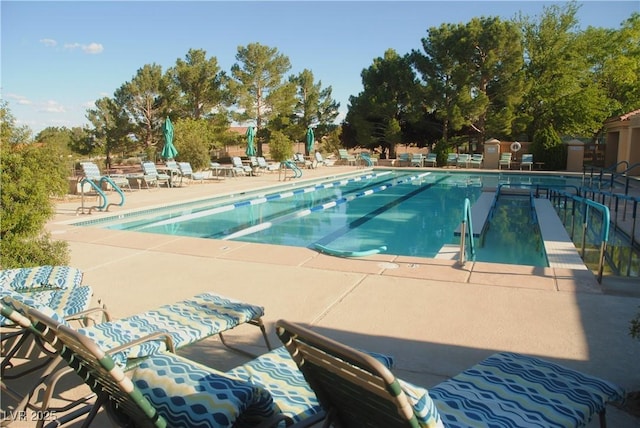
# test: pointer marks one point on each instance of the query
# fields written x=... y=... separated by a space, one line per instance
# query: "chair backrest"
x=298 y=157
x=91 y=170
x=237 y=162
x=185 y=168
x=417 y=156
x=432 y=156
x=344 y=154
x=527 y=158
x=505 y=156
x=319 y=157
x=172 y=165
x=99 y=371
x=149 y=168
x=353 y=387
x=452 y=156
x=262 y=162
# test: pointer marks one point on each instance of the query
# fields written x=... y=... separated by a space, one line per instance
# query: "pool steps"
x=479 y=214
x=559 y=248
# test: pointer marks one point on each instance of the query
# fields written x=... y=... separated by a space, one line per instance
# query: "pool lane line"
x=262 y=200
x=373 y=214
x=331 y=204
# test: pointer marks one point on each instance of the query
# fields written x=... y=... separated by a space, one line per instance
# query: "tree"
x=111 y=129
x=143 y=98
x=24 y=200
x=258 y=83
x=200 y=86
x=390 y=100
x=192 y=139
x=563 y=93
x=314 y=108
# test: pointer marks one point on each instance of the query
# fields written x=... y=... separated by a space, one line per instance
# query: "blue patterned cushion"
x=62 y=303
x=187 y=321
x=277 y=373
x=24 y=279
x=423 y=406
x=16 y=301
x=188 y=394
x=512 y=390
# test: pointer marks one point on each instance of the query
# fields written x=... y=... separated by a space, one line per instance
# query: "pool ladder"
x=466 y=228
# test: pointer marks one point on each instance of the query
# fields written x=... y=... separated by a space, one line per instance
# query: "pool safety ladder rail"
x=466 y=229
x=479 y=214
x=103 y=197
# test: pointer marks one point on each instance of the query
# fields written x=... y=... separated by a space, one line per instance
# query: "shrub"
x=280 y=147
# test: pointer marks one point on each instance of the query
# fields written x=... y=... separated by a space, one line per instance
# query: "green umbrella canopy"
x=251 y=148
x=310 y=140
x=169 y=151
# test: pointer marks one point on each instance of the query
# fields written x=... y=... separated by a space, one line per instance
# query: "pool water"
x=411 y=213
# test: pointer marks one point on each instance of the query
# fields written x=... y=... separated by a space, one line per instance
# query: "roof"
x=623 y=117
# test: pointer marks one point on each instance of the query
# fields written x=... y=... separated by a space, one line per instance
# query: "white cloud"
x=19 y=99
x=52 y=107
x=89 y=104
x=91 y=48
x=48 y=42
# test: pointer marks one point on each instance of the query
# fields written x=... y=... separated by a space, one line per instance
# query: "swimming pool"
x=413 y=213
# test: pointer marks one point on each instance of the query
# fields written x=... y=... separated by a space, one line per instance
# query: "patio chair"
x=167 y=390
x=346 y=157
x=526 y=161
x=152 y=176
x=180 y=324
x=431 y=159
x=174 y=171
x=300 y=161
x=239 y=167
x=404 y=159
x=417 y=159
x=463 y=160
x=476 y=160
x=267 y=167
x=506 y=389
x=91 y=172
x=452 y=159
x=187 y=172
x=505 y=160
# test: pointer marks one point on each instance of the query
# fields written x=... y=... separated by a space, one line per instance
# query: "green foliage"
x=280 y=146
x=547 y=147
x=30 y=175
x=191 y=138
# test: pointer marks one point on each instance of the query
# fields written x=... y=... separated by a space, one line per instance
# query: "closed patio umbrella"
x=251 y=148
x=310 y=138
x=169 y=151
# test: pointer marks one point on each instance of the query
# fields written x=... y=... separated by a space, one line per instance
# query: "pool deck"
x=437 y=318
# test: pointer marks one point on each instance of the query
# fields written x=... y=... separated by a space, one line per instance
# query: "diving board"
x=479 y=213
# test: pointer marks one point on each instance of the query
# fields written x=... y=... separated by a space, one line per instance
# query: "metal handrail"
x=604 y=231
x=466 y=221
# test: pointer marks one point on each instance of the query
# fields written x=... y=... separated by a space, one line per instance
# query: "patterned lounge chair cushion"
x=188 y=394
x=187 y=321
x=423 y=406
x=26 y=279
x=13 y=299
x=513 y=390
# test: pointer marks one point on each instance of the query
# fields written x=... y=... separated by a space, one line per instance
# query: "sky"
x=59 y=57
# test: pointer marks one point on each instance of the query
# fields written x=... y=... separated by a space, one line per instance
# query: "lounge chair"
x=239 y=167
x=173 y=169
x=526 y=161
x=505 y=160
x=506 y=389
x=187 y=172
x=167 y=390
x=346 y=157
x=463 y=160
x=91 y=172
x=267 y=167
x=476 y=160
x=417 y=159
x=431 y=160
x=300 y=160
x=152 y=176
x=404 y=159
x=452 y=159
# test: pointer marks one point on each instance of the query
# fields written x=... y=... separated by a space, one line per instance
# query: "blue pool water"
x=411 y=213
